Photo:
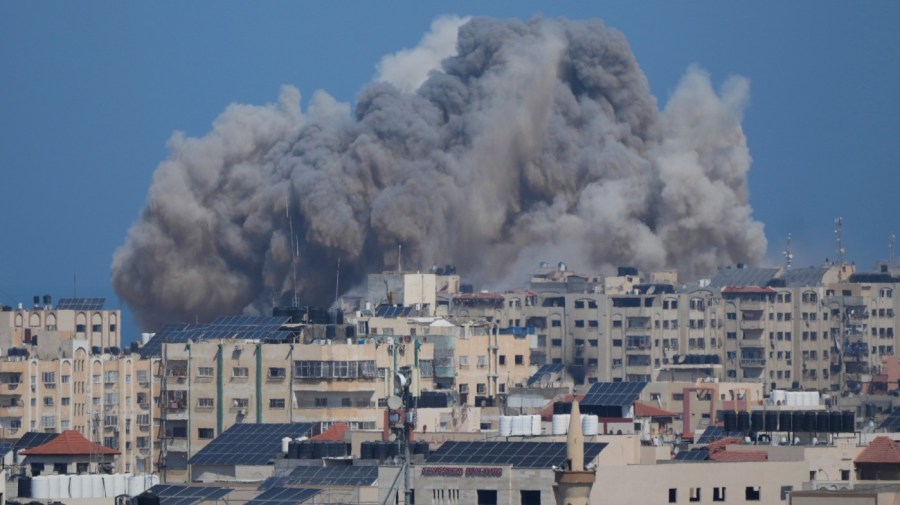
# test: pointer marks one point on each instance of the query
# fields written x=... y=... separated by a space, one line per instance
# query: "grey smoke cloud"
x=531 y=139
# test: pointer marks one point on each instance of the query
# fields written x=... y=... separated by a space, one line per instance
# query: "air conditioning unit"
x=238 y=348
x=242 y=412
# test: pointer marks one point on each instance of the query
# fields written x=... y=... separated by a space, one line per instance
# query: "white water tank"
x=779 y=397
x=285 y=444
x=518 y=426
x=108 y=489
x=64 y=481
x=536 y=425
x=86 y=490
x=137 y=485
x=560 y=424
x=526 y=426
x=53 y=484
x=76 y=486
x=154 y=480
x=40 y=487
x=814 y=398
x=590 y=425
x=119 y=484
x=505 y=426
x=791 y=398
x=98 y=490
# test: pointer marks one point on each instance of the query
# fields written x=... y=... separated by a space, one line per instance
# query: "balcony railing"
x=753 y=362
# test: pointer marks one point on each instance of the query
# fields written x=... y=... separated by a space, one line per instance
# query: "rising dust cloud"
x=490 y=144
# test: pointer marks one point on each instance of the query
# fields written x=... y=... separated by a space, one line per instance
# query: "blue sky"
x=91 y=91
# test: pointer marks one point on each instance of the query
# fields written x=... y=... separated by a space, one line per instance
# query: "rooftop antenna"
x=400 y=258
x=295 y=302
x=337 y=282
x=788 y=253
x=838 y=225
x=892 y=247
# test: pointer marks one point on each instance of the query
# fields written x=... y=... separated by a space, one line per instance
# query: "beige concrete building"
x=43 y=327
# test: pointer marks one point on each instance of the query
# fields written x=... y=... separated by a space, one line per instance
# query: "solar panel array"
x=187 y=495
x=692 y=455
x=352 y=475
x=613 y=394
x=892 y=422
x=5 y=447
x=713 y=433
x=392 y=311
x=261 y=328
x=33 y=439
x=546 y=370
x=517 y=454
x=80 y=303
x=248 y=444
x=284 y=495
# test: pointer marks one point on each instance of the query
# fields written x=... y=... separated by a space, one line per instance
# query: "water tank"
x=790 y=398
x=317 y=449
x=285 y=444
x=823 y=422
x=40 y=487
x=848 y=421
x=393 y=450
x=590 y=425
x=137 y=484
x=421 y=447
x=98 y=490
x=24 y=486
x=64 y=481
x=835 y=423
x=76 y=486
x=147 y=498
x=86 y=489
x=53 y=486
x=304 y=449
x=757 y=421
x=784 y=421
x=119 y=484
x=798 y=418
x=536 y=425
x=771 y=420
x=366 y=451
x=562 y=408
x=560 y=424
x=779 y=397
x=810 y=421
x=730 y=419
x=743 y=421
x=381 y=450
x=505 y=426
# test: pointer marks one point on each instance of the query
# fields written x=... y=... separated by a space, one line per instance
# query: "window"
x=48 y=401
x=49 y=377
x=785 y=492
x=695 y=494
x=65 y=401
x=142 y=376
x=143 y=419
x=557 y=342
x=205 y=403
x=277 y=373
x=718 y=494
x=204 y=372
x=206 y=433
x=463 y=361
x=276 y=403
x=481 y=389
x=240 y=372
x=520 y=359
x=346 y=402
x=556 y=323
x=321 y=401
x=464 y=388
x=502 y=359
x=241 y=403
x=64 y=379
x=673 y=495
x=752 y=493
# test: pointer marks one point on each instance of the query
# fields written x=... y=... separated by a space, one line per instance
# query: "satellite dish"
x=394 y=402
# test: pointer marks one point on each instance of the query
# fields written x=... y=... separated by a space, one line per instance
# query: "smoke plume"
x=529 y=139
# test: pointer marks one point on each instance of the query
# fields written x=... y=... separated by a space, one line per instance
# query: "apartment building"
x=42 y=327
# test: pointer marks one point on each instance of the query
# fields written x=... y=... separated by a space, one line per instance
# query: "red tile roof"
x=647 y=410
x=68 y=443
x=335 y=433
x=739 y=456
x=880 y=450
x=547 y=411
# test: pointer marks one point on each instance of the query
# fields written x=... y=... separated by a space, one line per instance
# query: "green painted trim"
x=259 y=379
x=220 y=414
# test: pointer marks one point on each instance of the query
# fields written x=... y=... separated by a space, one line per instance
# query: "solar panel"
x=892 y=422
x=248 y=444
x=517 y=454
x=33 y=439
x=5 y=447
x=80 y=303
x=187 y=495
x=713 y=433
x=692 y=455
x=352 y=475
x=613 y=394
x=284 y=495
x=261 y=328
x=391 y=311
x=545 y=371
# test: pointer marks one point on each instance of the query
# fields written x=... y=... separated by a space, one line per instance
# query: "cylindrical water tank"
x=730 y=420
x=40 y=487
x=64 y=481
x=757 y=421
x=381 y=450
x=779 y=397
x=285 y=445
x=810 y=420
x=147 y=498
x=784 y=421
x=823 y=422
x=814 y=398
x=53 y=486
x=560 y=424
x=562 y=408
x=108 y=486
x=137 y=484
x=771 y=420
x=536 y=425
x=792 y=398
x=98 y=490
x=365 y=451
x=393 y=450
x=835 y=425
x=76 y=486
x=743 y=421
x=304 y=450
x=590 y=425
x=798 y=418
x=848 y=421
x=24 y=487
x=86 y=490
x=119 y=487
x=505 y=426
x=421 y=447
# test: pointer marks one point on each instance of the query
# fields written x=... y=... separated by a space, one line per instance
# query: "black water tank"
x=24 y=487
x=823 y=422
x=848 y=421
x=771 y=420
x=835 y=422
x=381 y=450
x=421 y=447
x=147 y=498
x=292 y=450
x=562 y=408
x=730 y=419
x=393 y=450
x=809 y=421
x=366 y=451
x=784 y=421
x=799 y=420
x=319 y=450
x=743 y=421
x=305 y=450
x=757 y=421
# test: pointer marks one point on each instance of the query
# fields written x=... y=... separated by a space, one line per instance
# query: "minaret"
x=573 y=482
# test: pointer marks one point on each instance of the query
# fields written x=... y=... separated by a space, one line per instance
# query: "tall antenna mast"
x=892 y=247
x=400 y=258
x=838 y=225
x=337 y=282
x=788 y=253
x=295 y=302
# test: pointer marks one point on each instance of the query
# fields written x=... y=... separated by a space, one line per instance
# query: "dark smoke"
x=536 y=139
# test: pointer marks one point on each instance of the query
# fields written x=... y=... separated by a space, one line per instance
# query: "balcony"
x=11 y=387
x=753 y=362
x=752 y=324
